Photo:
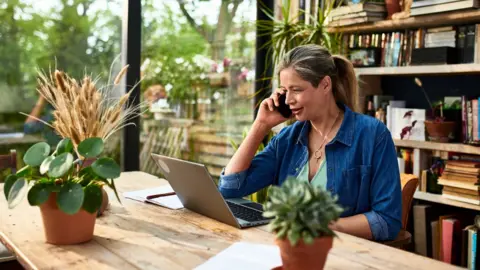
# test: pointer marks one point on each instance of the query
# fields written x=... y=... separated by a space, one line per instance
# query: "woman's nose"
x=289 y=99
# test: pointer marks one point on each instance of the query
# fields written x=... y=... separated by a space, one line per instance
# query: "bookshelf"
x=433 y=20
x=447 y=147
x=437 y=198
x=420 y=70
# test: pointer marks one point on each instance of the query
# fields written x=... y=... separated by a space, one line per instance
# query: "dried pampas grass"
x=81 y=110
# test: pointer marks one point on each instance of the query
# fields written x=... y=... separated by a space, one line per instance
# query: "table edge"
x=19 y=256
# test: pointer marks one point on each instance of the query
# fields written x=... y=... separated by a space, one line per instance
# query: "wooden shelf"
x=447 y=147
x=437 y=198
x=420 y=70
x=433 y=20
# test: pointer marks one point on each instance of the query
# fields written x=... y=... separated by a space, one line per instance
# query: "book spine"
x=464 y=119
x=461 y=33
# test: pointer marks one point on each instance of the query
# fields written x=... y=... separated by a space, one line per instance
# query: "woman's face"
x=305 y=100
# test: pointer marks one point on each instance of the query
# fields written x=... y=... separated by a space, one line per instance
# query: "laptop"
x=197 y=191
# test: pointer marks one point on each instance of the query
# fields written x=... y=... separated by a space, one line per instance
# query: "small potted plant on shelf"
x=66 y=181
x=438 y=128
x=302 y=214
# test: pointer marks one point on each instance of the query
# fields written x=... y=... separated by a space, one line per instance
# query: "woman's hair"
x=314 y=62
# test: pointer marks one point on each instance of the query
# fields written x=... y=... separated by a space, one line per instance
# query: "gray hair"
x=314 y=62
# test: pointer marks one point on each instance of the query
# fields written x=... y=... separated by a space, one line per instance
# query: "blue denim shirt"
x=362 y=170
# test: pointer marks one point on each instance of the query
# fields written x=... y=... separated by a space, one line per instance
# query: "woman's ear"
x=326 y=84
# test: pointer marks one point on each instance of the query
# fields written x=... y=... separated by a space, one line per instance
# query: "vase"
x=64 y=229
x=303 y=256
x=440 y=131
x=392 y=6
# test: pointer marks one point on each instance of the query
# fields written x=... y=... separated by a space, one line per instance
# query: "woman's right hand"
x=267 y=113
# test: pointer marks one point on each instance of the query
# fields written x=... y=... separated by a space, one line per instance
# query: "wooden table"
x=135 y=235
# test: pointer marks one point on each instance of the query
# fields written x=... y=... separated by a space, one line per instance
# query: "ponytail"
x=345 y=86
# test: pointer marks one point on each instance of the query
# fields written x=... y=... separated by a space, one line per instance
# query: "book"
x=162 y=196
x=444 y=7
x=369 y=6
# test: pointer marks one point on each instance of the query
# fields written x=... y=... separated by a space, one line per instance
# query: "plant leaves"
x=36 y=154
x=60 y=165
x=38 y=194
x=9 y=181
x=46 y=164
x=112 y=186
x=91 y=147
x=70 y=198
x=106 y=168
x=17 y=192
x=93 y=198
x=25 y=171
x=64 y=146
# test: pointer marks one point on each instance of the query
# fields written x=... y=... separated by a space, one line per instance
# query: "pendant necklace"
x=318 y=153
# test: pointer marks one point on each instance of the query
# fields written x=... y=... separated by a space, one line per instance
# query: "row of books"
x=470 y=123
x=446 y=235
x=397 y=48
x=461 y=181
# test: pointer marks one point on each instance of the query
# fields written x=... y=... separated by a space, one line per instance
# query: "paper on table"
x=141 y=195
x=170 y=201
x=243 y=255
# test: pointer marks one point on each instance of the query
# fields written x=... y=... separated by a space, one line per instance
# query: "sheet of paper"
x=141 y=195
x=244 y=255
x=172 y=202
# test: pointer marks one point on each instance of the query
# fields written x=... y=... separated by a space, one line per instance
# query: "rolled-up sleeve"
x=385 y=217
x=260 y=174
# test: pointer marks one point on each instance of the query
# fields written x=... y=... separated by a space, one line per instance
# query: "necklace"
x=319 y=155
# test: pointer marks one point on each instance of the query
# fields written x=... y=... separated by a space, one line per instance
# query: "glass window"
x=198 y=73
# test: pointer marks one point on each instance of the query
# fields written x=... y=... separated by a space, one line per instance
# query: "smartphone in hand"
x=283 y=108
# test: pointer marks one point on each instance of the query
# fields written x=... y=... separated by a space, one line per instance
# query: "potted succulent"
x=67 y=182
x=302 y=214
x=439 y=129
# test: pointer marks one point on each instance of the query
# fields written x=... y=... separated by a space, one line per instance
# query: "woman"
x=349 y=154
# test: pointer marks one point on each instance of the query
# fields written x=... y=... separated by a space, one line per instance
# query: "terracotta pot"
x=63 y=229
x=104 y=205
x=304 y=256
x=392 y=6
x=440 y=131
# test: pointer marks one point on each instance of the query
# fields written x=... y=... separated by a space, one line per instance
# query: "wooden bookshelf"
x=437 y=198
x=420 y=70
x=447 y=147
x=433 y=20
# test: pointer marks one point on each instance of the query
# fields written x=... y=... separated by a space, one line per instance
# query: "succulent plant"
x=301 y=211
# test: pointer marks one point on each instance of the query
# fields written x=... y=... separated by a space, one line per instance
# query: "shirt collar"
x=344 y=134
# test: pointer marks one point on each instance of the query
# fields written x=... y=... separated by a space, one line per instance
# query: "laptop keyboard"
x=245 y=213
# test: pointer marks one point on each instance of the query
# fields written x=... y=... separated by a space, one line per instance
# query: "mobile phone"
x=283 y=108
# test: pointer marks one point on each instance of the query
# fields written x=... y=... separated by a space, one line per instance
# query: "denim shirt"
x=362 y=170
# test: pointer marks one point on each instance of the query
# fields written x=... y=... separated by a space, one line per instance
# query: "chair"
x=8 y=161
x=409 y=186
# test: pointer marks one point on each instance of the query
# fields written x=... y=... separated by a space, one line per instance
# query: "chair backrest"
x=409 y=186
x=9 y=161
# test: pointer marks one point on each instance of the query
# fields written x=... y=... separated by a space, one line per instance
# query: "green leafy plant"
x=77 y=184
x=301 y=211
x=288 y=32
